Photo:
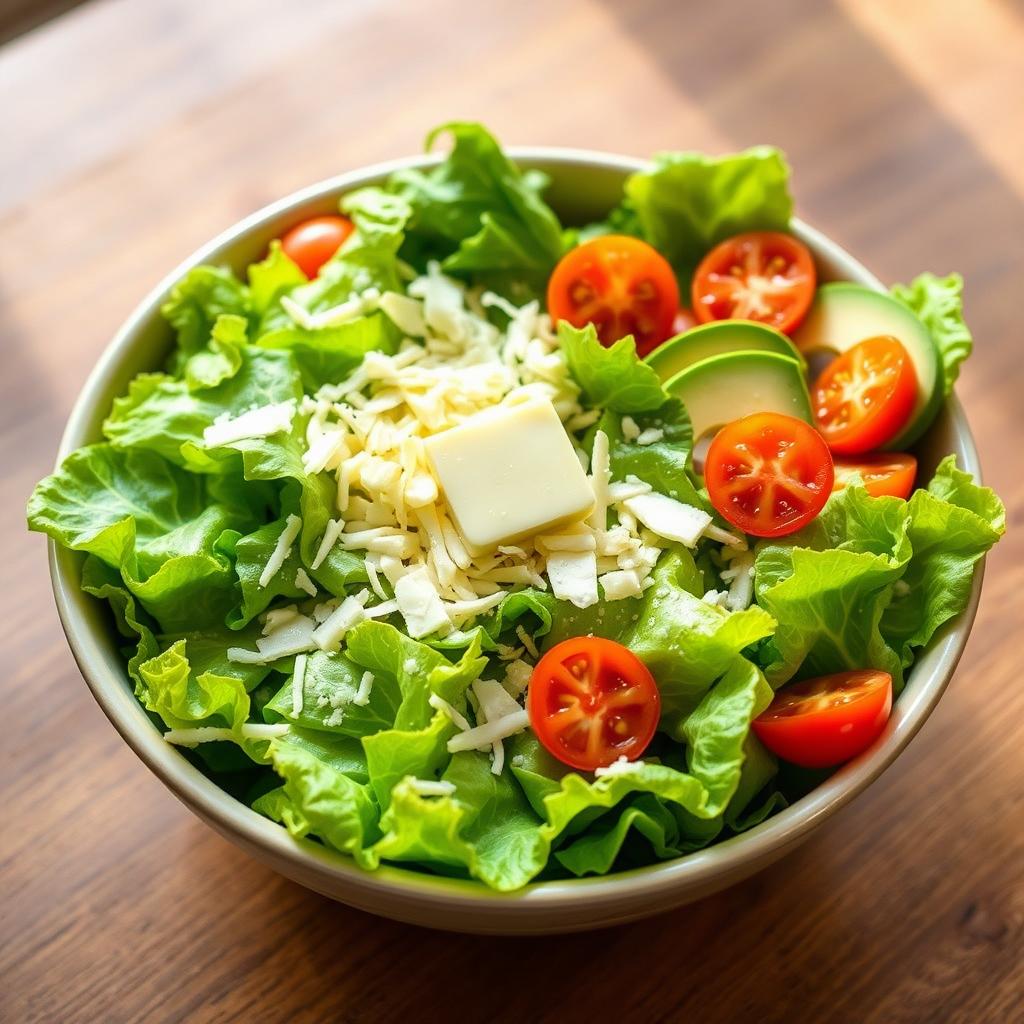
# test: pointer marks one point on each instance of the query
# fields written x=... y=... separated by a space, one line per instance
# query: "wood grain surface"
x=132 y=132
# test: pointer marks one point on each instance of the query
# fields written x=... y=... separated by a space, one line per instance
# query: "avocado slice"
x=728 y=387
x=844 y=314
x=715 y=339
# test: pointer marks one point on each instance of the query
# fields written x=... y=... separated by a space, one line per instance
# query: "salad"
x=456 y=537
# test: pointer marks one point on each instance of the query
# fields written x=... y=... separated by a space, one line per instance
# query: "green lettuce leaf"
x=829 y=584
x=184 y=699
x=952 y=524
x=480 y=215
x=275 y=275
x=150 y=521
x=604 y=845
x=662 y=464
x=938 y=303
x=688 y=202
x=161 y=413
x=322 y=799
x=194 y=304
x=330 y=681
x=486 y=829
x=613 y=378
x=101 y=581
x=222 y=358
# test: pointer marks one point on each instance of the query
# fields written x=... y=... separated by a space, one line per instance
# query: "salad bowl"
x=583 y=185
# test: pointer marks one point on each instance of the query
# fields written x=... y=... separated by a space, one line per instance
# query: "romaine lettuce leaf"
x=330 y=681
x=662 y=464
x=222 y=358
x=688 y=202
x=938 y=303
x=872 y=578
x=828 y=585
x=161 y=413
x=195 y=303
x=184 y=699
x=480 y=215
x=150 y=521
x=319 y=798
x=613 y=378
x=486 y=828
x=952 y=524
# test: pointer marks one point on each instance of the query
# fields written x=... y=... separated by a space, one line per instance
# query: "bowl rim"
x=337 y=874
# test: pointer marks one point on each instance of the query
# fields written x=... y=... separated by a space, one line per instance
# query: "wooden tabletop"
x=130 y=133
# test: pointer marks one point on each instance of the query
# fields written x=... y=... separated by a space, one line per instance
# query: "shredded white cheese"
x=669 y=518
x=282 y=549
x=440 y=704
x=362 y=697
x=298 y=684
x=486 y=734
x=260 y=422
x=304 y=583
x=210 y=734
x=429 y=787
x=622 y=766
x=329 y=634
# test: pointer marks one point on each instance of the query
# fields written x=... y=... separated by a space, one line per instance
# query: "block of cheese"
x=510 y=472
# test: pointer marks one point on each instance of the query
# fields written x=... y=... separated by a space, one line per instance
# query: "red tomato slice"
x=620 y=285
x=768 y=474
x=825 y=721
x=882 y=474
x=864 y=398
x=592 y=701
x=313 y=242
x=764 y=275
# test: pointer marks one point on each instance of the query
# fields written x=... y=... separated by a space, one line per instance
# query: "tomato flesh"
x=823 y=722
x=619 y=284
x=864 y=398
x=768 y=474
x=881 y=474
x=592 y=701
x=313 y=242
x=766 y=276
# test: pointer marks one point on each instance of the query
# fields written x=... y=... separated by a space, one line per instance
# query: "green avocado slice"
x=844 y=314
x=728 y=387
x=716 y=339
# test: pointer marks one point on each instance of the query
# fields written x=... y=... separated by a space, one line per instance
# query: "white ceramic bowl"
x=584 y=185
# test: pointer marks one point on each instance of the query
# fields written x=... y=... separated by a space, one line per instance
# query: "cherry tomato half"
x=764 y=275
x=592 y=701
x=822 y=722
x=882 y=474
x=768 y=474
x=313 y=242
x=619 y=284
x=863 y=398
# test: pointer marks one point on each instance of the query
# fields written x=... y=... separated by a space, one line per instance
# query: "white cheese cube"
x=509 y=472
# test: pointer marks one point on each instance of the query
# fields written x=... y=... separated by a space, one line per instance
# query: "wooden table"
x=132 y=132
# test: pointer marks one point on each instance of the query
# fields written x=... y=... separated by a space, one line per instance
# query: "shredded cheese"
x=282 y=549
x=298 y=683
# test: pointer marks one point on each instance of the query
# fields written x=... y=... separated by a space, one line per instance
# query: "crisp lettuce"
x=613 y=378
x=688 y=202
x=480 y=215
x=872 y=578
x=938 y=303
x=952 y=524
